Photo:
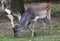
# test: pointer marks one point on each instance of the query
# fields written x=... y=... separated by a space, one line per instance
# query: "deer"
x=10 y=13
x=43 y=11
x=33 y=13
x=39 y=11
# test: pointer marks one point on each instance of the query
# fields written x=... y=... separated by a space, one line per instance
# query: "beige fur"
x=42 y=10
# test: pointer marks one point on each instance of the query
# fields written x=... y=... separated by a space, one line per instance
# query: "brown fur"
x=41 y=6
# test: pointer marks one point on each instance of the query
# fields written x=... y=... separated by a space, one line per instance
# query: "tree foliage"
x=17 y=5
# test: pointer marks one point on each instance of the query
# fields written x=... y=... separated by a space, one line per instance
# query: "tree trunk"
x=18 y=5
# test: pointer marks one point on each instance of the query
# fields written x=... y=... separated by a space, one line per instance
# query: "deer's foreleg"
x=31 y=29
x=11 y=19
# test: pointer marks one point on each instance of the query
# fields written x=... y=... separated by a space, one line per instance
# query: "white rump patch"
x=8 y=11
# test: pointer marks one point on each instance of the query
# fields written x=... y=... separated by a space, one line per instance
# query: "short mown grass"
x=45 y=38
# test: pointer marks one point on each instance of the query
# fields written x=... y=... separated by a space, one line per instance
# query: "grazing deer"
x=43 y=11
x=33 y=13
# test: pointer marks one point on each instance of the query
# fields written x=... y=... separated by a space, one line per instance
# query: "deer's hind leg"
x=50 y=21
x=50 y=24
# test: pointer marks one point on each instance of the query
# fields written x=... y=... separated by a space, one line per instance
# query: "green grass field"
x=46 y=38
x=6 y=34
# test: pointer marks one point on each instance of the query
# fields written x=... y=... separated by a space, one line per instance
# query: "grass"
x=36 y=38
x=55 y=9
x=26 y=35
x=42 y=38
